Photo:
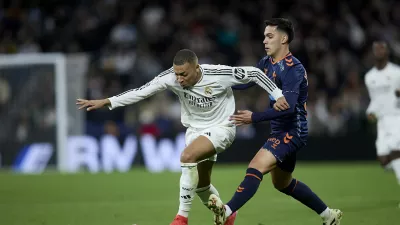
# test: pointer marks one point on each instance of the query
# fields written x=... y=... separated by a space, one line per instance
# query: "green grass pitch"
x=364 y=192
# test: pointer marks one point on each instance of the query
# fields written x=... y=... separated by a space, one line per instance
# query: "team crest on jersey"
x=208 y=91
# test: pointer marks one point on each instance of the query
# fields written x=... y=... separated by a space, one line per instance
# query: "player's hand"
x=92 y=104
x=242 y=117
x=371 y=118
x=281 y=104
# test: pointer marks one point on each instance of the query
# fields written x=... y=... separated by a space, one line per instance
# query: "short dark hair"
x=284 y=25
x=185 y=56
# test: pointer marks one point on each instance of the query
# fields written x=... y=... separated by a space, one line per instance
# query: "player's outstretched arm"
x=92 y=104
x=158 y=84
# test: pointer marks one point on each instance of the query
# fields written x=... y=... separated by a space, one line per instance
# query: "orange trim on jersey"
x=253 y=175
x=288 y=60
x=287 y=138
x=287 y=55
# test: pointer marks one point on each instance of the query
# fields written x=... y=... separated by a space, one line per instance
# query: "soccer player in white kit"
x=383 y=84
x=207 y=102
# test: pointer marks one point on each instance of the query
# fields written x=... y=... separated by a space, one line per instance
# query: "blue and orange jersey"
x=290 y=76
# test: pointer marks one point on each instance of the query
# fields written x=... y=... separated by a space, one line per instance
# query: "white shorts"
x=220 y=136
x=388 y=135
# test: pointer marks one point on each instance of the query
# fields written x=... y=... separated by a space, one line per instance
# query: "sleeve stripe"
x=166 y=72
x=265 y=80
x=263 y=76
x=218 y=74
x=226 y=70
x=218 y=71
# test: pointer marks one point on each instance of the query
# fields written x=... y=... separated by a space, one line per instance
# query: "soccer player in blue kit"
x=289 y=131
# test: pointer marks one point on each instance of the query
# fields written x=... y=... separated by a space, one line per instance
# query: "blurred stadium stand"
x=130 y=42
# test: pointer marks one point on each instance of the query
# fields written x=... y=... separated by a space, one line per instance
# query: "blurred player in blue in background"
x=289 y=130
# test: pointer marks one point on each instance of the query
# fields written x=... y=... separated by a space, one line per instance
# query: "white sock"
x=326 y=213
x=396 y=169
x=205 y=192
x=188 y=184
x=228 y=211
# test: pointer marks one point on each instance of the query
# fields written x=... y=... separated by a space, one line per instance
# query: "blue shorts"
x=284 y=147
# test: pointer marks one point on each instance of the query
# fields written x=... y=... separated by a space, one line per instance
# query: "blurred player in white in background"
x=207 y=102
x=383 y=84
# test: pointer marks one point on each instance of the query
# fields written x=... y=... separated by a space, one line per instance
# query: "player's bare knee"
x=264 y=161
x=280 y=179
x=279 y=184
x=188 y=157
x=264 y=168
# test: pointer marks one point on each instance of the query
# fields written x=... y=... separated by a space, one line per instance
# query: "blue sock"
x=303 y=194
x=246 y=189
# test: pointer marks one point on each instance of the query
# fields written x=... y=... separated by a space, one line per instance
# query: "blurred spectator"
x=132 y=41
x=111 y=128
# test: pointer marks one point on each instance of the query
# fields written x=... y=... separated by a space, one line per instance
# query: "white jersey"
x=382 y=85
x=210 y=101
